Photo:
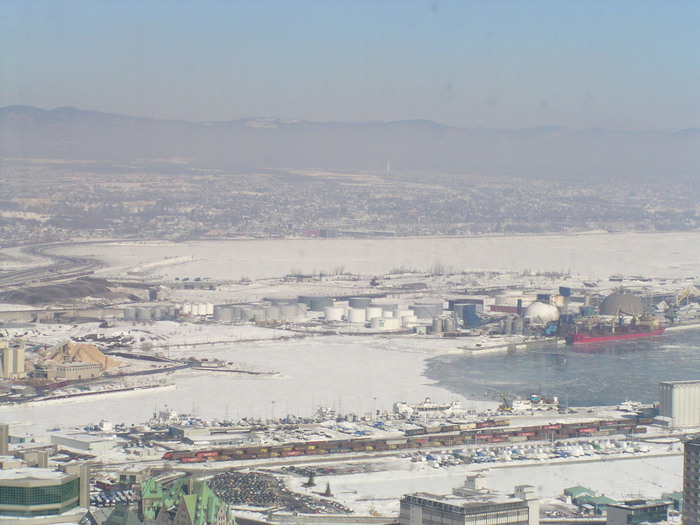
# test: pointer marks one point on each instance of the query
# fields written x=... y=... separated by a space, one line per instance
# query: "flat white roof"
x=31 y=473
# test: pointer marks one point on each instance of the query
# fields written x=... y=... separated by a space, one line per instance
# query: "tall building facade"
x=691 y=482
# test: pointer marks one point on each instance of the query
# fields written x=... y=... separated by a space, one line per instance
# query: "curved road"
x=62 y=267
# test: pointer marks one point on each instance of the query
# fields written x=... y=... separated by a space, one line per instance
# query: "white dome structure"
x=541 y=313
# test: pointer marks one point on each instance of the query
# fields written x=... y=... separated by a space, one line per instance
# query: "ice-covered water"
x=599 y=374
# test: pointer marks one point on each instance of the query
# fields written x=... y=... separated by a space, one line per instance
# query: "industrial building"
x=12 y=359
x=84 y=442
x=679 y=404
x=691 y=482
x=471 y=504
x=638 y=511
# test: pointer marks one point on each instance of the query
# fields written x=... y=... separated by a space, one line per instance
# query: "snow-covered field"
x=594 y=255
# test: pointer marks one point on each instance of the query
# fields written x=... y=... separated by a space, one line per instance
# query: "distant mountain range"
x=266 y=143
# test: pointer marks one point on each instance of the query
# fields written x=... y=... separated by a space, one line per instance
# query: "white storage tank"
x=334 y=313
x=289 y=311
x=448 y=324
x=437 y=325
x=172 y=312
x=399 y=312
x=273 y=313
x=387 y=312
x=407 y=320
x=143 y=314
x=130 y=313
x=158 y=313
x=385 y=323
x=186 y=309
x=373 y=311
x=357 y=315
x=201 y=309
x=210 y=309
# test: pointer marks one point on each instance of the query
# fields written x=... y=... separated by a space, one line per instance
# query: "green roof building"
x=186 y=502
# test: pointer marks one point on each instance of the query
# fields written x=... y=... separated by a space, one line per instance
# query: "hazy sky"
x=492 y=63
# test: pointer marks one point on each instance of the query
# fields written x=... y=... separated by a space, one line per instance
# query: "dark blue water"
x=600 y=374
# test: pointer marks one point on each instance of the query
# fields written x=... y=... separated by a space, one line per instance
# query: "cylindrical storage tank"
x=408 y=320
x=273 y=313
x=385 y=323
x=359 y=302
x=518 y=326
x=427 y=310
x=253 y=314
x=186 y=308
x=130 y=313
x=387 y=312
x=143 y=314
x=172 y=312
x=357 y=315
x=247 y=313
x=289 y=311
x=448 y=324
x=373 y=311
x=399 y=312
x=469 y=315
x=217 y=313
x=236 y=313
x=333 y=313
x=508 y=326
x=210 y=308
x=318 y=304
x=201 y=309
x=437 y=325
x=226 y=315
x=302 y=308
x=158 y=313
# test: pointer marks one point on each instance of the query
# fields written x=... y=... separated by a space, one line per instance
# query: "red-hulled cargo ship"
x=590 y=337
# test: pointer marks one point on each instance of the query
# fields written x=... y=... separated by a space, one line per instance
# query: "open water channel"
x=585 y=375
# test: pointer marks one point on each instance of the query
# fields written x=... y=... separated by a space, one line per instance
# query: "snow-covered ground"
x=594 y=255
x=617 y=478
x=351 y=374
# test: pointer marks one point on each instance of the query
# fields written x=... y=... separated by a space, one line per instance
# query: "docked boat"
x=617 y=335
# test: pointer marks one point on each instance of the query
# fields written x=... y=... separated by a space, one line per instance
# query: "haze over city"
x=331 y=262
x=618 y=65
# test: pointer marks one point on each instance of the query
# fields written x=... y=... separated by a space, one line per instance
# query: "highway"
x=62 y=267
